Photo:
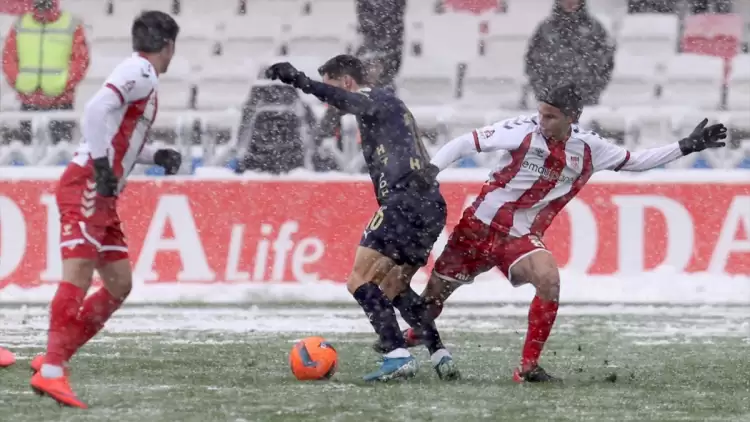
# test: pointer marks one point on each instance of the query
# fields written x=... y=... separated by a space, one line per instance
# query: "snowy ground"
x=158 y=363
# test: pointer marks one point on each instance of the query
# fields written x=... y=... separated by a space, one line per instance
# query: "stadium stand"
x=463 y=67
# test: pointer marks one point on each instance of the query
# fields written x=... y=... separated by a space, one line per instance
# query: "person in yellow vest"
x=44 y=58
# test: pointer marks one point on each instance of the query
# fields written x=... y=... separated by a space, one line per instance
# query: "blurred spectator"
x=711 y=6
x=652 y=6
x=44 y=58
x=380 y=24
x=571 y=46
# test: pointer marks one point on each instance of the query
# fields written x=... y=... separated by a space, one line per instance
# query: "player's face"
x=554 y=123
x=345 y=82
x=167 y=54
x=570 y=6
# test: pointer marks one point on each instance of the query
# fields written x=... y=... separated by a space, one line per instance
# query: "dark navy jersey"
x=396 y=158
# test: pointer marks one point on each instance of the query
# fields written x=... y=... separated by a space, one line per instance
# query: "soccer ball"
x=313 y=358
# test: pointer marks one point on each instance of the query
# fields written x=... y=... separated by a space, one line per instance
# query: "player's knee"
x=547 y=283
x=78 y=271
x=354 y=282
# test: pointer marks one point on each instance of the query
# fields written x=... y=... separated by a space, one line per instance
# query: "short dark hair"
x=344 y=64
x=152 y=30
x=566 y=98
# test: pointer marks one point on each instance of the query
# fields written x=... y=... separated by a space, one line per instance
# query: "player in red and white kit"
x=548 y=159
x=115 y=129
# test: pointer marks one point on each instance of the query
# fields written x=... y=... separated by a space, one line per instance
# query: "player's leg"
x=414 y=311
x=370 y=266
x=535 y=265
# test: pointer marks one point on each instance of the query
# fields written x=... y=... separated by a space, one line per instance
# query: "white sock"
x=437 y=356
x=52 y=371
x=398 y=353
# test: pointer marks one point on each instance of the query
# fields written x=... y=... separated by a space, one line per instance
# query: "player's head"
x=154 y=35
x=343 y=71
x=559 y=108
x=570 y=6
x=44 y=5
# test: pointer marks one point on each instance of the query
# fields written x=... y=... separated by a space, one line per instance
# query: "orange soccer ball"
x=313 y=358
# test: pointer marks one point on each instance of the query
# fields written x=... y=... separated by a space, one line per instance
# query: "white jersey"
x=535 y=177
x=118 y=117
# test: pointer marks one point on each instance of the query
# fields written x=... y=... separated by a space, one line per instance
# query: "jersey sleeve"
x=132 y=81
x=503 y=135
x=606 y=155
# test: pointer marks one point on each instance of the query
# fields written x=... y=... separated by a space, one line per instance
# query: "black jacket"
x=571 y=47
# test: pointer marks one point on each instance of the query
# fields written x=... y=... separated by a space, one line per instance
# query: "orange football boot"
x=58 y=389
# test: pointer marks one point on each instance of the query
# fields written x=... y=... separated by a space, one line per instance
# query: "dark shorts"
x=405 y=228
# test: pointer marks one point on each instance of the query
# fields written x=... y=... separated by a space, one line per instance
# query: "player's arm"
x=505 y=135
x=608 y=156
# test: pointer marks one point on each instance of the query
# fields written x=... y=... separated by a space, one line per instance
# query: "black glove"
x=288 y=74
x=169 y=159
x=704 y=137
x=106 y=182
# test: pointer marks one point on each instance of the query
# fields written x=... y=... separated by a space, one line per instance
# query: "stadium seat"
x=450 y=36
x=535 y=10
x=99 y=70
x=86 y=10
x=251 y=36
x=420 y=9
x=693 y=80
x=277 y=8
x=175 y=86
x=507 y=36
x=427 y=82
x=712 y=34
x=343 y=10
x=208 y=9
x=127 y=9
x=197 y=38
x=224 y=84
x=109 y=37
x=633 y=82
x=6 y=23
x=649 y=34
x=320 y=36
x=491 y=83
x=738 y=96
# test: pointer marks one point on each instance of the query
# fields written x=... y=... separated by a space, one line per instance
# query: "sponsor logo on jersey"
x=546 y=173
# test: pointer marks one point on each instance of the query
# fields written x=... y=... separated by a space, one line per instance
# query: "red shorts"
x=474 y=248
x=89 y=225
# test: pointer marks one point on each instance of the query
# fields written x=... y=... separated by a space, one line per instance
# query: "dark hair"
x=344 y=64
x=152 y=30
x=566 y=98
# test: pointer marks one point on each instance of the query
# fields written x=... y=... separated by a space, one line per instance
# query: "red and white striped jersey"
x=535 y=177
x=118 y=117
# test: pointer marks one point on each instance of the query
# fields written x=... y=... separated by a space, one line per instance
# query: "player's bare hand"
x=104 y=176
x=704 y=137
x=287 y=73
x=169 y=159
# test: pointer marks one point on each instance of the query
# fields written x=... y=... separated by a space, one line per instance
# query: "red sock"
x=96 y=310
x=542 y=314
x=63 y=313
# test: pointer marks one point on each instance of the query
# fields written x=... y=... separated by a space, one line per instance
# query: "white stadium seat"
x=128 y=9
x=206 y=9
x=448 y=36
x=109 y=37
x=278 y=8
x=224 y=85
x=197 y=38
x=251 y=36
x=739 y=84
x=633 y=82
x=492 y=83
x=175 y=86
x=649 y=34
x=530 y=9
x=508 y=37
x=320 y=36
x=86 y=10
x=343 y=10
x=693 y=80
x=99 y=69
x=427 y=82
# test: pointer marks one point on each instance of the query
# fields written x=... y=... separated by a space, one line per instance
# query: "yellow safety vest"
x=44 y=54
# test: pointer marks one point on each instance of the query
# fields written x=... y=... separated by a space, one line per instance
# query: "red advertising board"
x=206 y=231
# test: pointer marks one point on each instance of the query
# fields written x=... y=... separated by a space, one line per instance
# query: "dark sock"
x=382 y=316
x=414 y=311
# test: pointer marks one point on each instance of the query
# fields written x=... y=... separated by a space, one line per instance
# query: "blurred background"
x=649 y=70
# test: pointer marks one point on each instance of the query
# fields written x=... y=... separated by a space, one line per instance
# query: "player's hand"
x=168 y=159
x=288 y=74
x=104 y=176
x=704 y=137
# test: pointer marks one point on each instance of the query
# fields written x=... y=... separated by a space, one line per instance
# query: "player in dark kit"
x=399 y=238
